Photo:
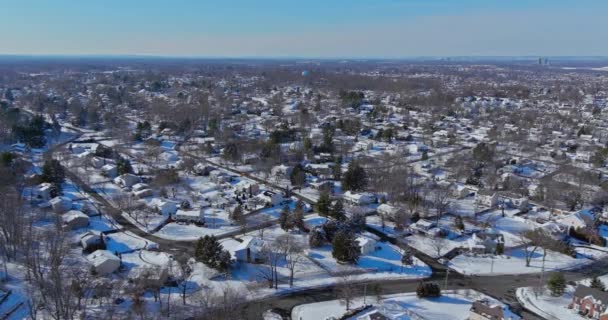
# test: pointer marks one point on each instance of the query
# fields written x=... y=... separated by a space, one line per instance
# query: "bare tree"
x=185 y=273
x=345 y=291
x=438 y=243
x=292 y=249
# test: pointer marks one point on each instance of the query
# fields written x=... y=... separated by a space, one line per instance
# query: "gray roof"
x=584 y=291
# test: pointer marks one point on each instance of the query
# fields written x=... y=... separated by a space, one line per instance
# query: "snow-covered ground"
x=513 y=262
x=127 y=241
x=384 y=263
x=544 y=304
x=434 y=247
x=452 y=305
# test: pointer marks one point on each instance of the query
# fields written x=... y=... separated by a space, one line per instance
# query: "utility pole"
x=447 y=274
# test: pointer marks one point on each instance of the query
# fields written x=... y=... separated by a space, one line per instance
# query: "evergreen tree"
x=123 y=166
x=315 y=238
x=223 y=261
x=500 y=248
x=337 y=211
x=298 y=215
x=407 y=258
x=428 y=290
x=324 y=204
x=210 y=252
x=285 y=219
x=337 y=169
x=355 y=178
x=237 y=214
x=425 y=156
x=53 y=172
x=556 y=284
x=297 y=176
x=458 y=223
x=345 y=247
x=357 y=222
x=415 y=217
x=597 y=284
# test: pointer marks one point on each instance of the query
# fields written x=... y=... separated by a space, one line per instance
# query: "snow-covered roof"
x=99 y=257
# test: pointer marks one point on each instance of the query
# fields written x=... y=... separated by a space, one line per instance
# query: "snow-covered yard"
x=452 y=305
x=544 y=304
x=513 y=262
x=385 y=262
x=434 y=247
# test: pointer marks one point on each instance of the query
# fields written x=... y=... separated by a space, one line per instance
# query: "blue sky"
x=305 y=28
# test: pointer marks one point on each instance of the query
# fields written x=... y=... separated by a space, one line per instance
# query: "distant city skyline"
x=306 y=29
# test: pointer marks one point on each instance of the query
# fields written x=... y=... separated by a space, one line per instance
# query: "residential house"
x=91 y=241
x=324 y=185
x=109 y=170
x=366 y=244
x=281 y=171
x=126 y=180
x=190 y=215
x=358 y=199
x=486 y=198
x=151 y=277
x=484 y=309
x=423 y=226
x=590 y=302
x=458 y=190
x=250 y=250
x=61 y=204
x=485 y=242
x=140 y=194
x=271 y=197
x=75 y=219
x=43 y=191
x=164 y=207
x=104 y=262
x=387 y=210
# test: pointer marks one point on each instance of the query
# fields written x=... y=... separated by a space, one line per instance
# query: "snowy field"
x=127 y=241
x=433 y=246
x=452 y=305
x=513 y=262
x=383 y=263
x=546 y=305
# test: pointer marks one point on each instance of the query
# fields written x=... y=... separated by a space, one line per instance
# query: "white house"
x=43 y=191
x=359 y=199
x=366 y=244
x=250 y=250
x=423 y=226
x=109 y=170
x=487 y=198
x=190 y=215
x=91 y=239
x=165 y=207
x=140 y=194
x=75 y=219
x=274 y=198
x=103 y=261
x=97 y=162
x=387 y=210
x=281 y=171
x=61 y=204
x=140 y=186
x=458 y=190
x=126 y=180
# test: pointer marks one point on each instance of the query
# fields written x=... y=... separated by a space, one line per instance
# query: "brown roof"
x=482 y=307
